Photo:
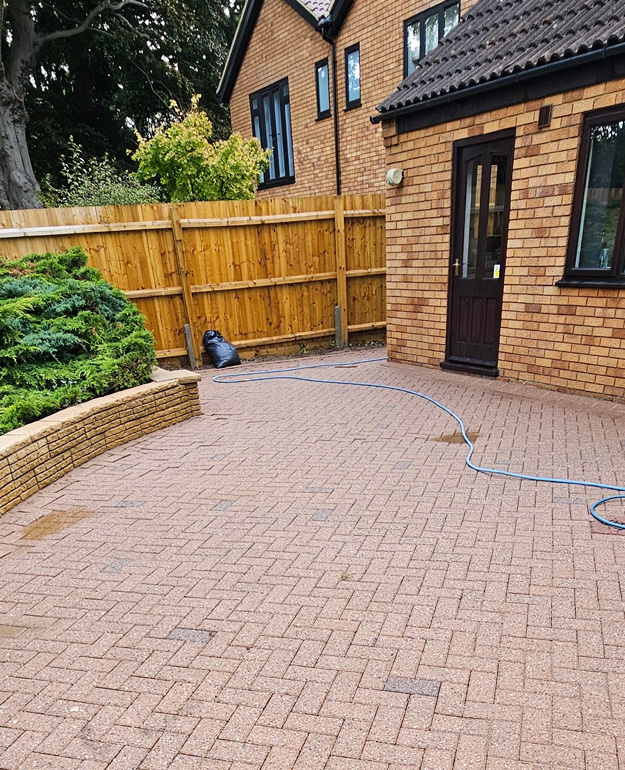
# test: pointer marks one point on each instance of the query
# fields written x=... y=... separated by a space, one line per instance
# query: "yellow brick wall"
x=564 y=338
x=284 y=45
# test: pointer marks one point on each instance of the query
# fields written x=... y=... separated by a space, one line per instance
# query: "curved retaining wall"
x=37 y=454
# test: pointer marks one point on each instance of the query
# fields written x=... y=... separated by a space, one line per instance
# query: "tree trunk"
x=18 y=186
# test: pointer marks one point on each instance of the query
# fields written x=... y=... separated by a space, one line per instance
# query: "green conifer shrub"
x=66 y=336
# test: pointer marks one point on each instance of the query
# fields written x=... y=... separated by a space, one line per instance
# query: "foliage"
x=100 y=85
x=66 y=336
x=191 y=168
x=96 y=182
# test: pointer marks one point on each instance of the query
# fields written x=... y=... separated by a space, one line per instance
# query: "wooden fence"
x=262 y=272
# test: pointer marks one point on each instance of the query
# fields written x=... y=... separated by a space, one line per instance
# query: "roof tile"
x=320 y=8
x=500 y=37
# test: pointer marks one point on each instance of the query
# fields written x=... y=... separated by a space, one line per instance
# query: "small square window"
x=596 y=250
x=352 y=76
x=322 y=77
x=424 y=32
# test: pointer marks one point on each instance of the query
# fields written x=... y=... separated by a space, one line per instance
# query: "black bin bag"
x=221 y=352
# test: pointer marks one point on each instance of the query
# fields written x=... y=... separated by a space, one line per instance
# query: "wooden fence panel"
x=262 y=272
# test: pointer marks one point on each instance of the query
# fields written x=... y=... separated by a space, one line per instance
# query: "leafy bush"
x=189 y=167
x=66 y=336
x=96 y=182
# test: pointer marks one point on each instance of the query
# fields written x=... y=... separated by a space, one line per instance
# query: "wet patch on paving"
x=457 y=437
x=55 y=522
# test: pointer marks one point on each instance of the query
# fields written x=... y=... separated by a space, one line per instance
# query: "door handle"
x=457 y=267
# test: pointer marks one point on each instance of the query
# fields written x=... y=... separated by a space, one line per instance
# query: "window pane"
x=323 y=88
x=289 y=139
x=471 y=218
x=496 y=201
x=269 y=134
x=431 y=33
x=452 y=17
x=413 y=46
x=279 y=139
x=603 y=194
x=353 y=76
x=258 y=135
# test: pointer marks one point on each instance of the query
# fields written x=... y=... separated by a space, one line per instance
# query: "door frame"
x=456 y=174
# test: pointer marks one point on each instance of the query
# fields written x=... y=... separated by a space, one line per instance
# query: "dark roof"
x=312 y=11
x=498 y=38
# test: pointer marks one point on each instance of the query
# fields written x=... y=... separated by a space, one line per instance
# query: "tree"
x=190 y=167
x=95 y=70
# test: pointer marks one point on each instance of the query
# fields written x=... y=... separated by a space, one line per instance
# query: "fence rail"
x=262 y=272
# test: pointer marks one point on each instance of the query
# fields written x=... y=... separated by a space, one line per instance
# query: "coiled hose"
x=280 y=374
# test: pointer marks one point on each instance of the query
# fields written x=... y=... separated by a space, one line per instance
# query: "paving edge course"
x=35 y=455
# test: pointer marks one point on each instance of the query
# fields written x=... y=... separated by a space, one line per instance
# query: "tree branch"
x=21 y=54
x=154 y=91
x=126 y=23
x=103 y=7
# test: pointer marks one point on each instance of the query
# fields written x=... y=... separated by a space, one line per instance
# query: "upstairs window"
x=271 y=125
x=423 y=32
x=352 y=76
x=323 y=89
x=596 y=250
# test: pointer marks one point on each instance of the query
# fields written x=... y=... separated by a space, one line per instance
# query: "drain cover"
x=413 y=686
x=191 y=635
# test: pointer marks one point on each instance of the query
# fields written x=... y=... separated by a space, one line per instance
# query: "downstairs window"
x=271 y=125
x=596 y=251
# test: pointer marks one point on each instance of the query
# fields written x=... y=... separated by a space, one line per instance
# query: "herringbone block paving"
x=304 y=578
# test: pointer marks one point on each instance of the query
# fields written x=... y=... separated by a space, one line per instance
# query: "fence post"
x=341 y=269
x=195 y=354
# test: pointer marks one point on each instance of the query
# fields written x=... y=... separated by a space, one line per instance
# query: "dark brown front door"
x=482 y=176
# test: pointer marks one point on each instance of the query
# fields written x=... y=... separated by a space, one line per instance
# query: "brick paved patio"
x=303 y=578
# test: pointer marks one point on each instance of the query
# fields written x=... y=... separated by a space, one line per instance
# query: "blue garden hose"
x=279 y=374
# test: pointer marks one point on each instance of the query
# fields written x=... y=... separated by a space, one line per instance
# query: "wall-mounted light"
x=394 y=177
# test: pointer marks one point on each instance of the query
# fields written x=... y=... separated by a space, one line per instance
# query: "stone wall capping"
x=183 y=376
x=35 y=455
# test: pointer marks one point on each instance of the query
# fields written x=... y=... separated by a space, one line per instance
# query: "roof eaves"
x=338 y=11
x=304 y=11
x=245 y=28
x=242 y=36
x=471 y=88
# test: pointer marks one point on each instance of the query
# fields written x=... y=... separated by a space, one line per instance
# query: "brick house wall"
x=565 y=338
x=282 y=45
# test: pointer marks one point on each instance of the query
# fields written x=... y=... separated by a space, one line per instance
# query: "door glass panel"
x=452 y=16
x=602 y=197
x=413 y=46
x=471 y=219
x=494 y=228
x=431 y=33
